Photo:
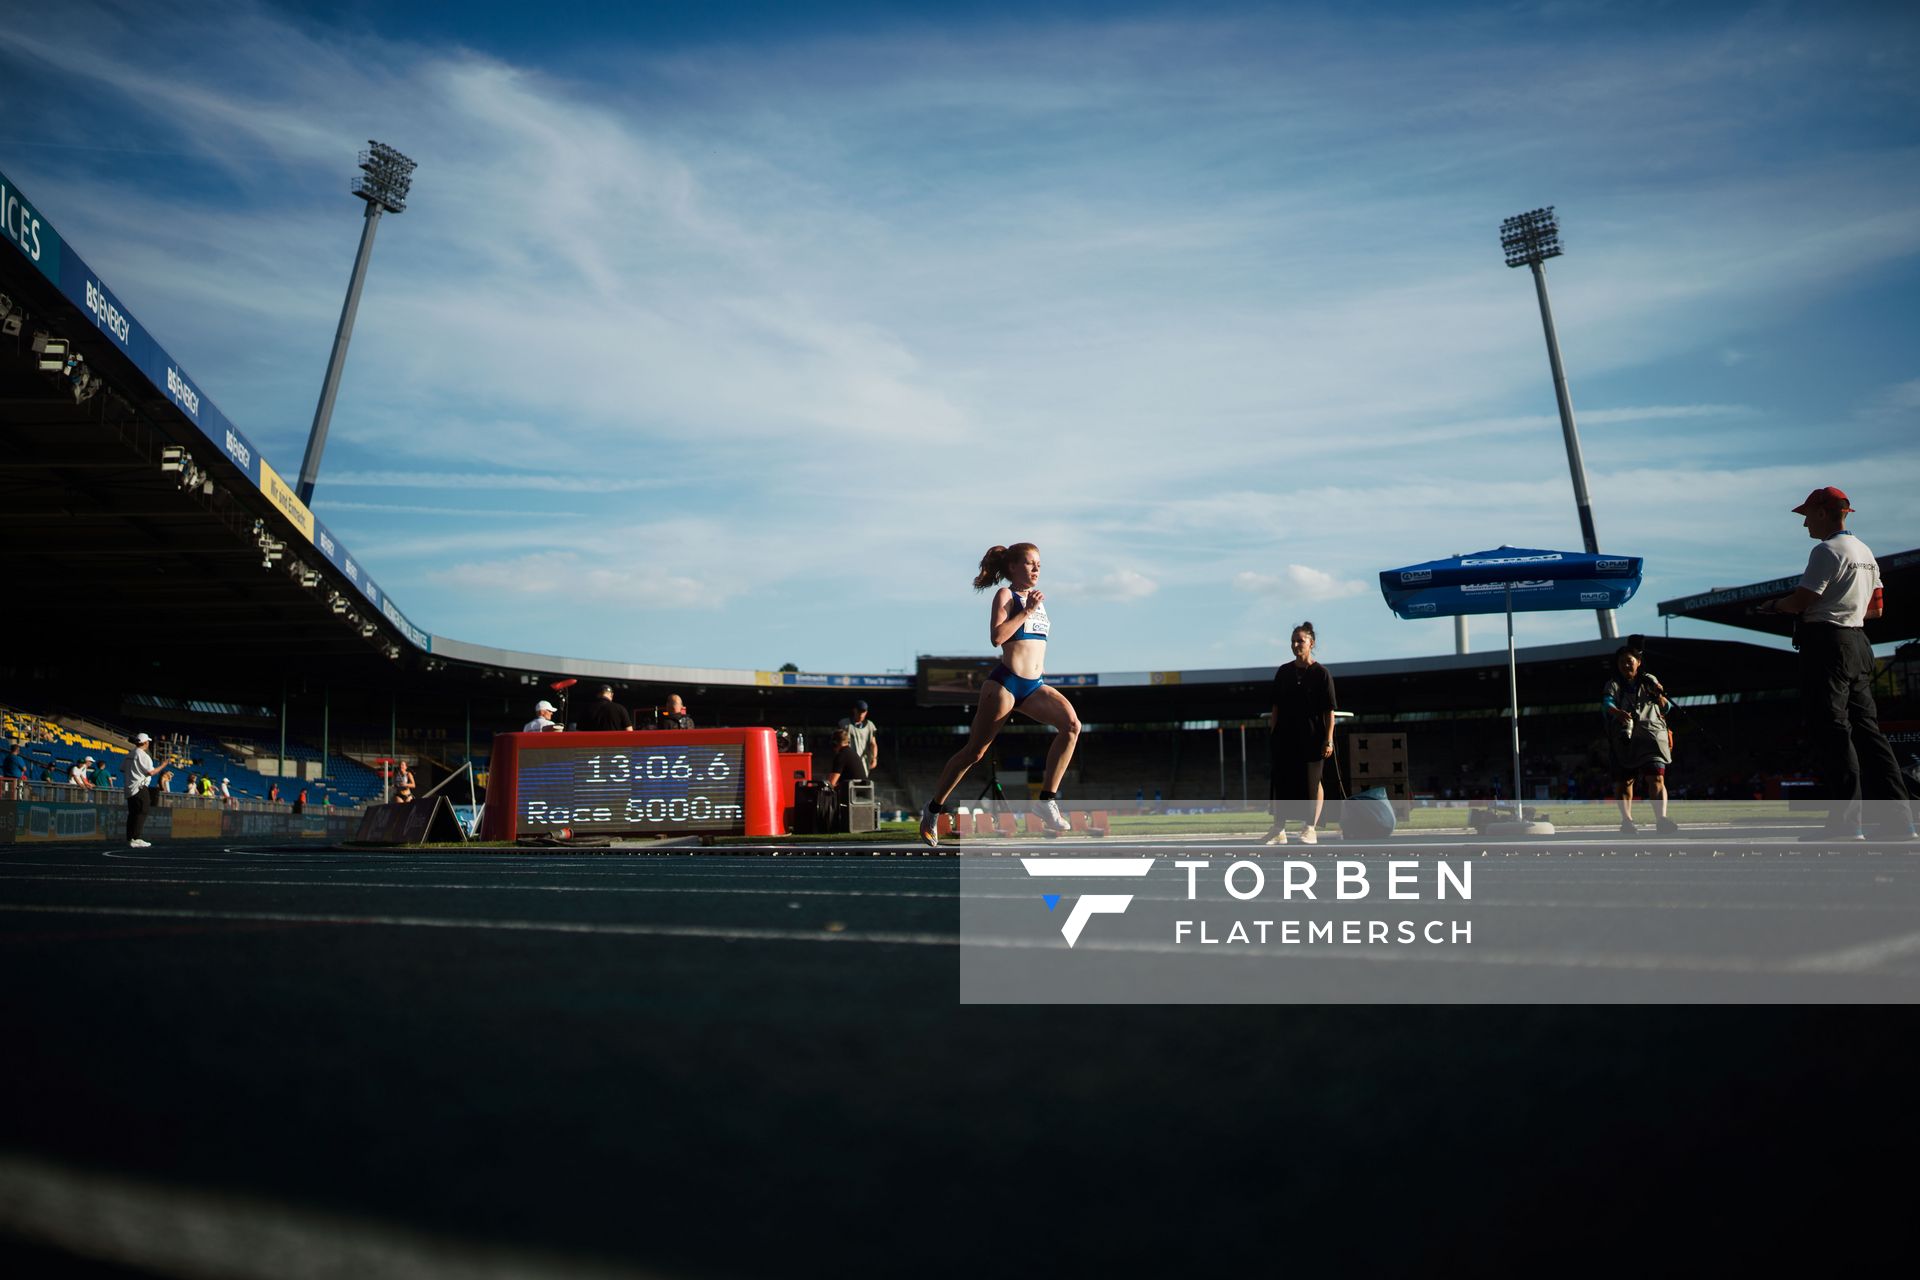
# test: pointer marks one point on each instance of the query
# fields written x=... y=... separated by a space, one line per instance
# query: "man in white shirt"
x=542 y=718
x=81 y=775
x=141 y=776
x=1838 y=593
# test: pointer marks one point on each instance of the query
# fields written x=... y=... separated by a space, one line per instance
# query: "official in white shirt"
x=1838 y=593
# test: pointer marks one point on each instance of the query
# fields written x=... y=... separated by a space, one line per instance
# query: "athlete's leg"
x=1050 y=707
x=996 y=704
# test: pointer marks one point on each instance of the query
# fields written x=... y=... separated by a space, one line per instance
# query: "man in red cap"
x=1837 y=594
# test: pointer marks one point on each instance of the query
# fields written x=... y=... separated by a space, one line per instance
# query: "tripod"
x=990 y=793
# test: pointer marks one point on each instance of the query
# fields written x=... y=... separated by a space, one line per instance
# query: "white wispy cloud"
x=1298 y=581
x=1218 y=292
x=349 y=479
x=1121 y=585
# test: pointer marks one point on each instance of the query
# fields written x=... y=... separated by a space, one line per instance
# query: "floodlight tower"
x=385 y=177
x=1529 y=240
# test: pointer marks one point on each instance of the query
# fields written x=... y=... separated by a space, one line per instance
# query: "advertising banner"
x=28 y=232
x=282 y=495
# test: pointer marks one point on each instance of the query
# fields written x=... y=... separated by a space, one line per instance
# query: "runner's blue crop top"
x=1034 y=623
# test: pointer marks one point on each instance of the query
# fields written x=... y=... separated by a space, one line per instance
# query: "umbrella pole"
x=1513 y=691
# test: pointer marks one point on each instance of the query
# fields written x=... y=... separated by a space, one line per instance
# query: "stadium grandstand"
x=147 y=522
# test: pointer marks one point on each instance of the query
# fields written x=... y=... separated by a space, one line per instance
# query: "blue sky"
x=731 y=335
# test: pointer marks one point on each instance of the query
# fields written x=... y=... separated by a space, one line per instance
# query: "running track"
x=321 y=1062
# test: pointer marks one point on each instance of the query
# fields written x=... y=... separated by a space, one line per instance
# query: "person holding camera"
x=847 y=765
x=142 y=774
x=1639 y=744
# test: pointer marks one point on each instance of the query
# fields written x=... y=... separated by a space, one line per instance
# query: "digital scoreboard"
x=668 y=782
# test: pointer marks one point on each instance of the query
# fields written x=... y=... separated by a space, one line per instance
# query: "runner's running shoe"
x=929 y=828
x=1052 y=821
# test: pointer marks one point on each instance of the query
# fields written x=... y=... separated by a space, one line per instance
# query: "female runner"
x=1019 y=625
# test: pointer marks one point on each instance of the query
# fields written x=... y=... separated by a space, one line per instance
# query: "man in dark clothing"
x=604 y=715
x=847 y=765
x=675 y=715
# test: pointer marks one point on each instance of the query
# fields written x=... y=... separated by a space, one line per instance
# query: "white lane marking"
x=1622 y=961
x=1860 y=959
x=492 y=888
x=1641 y=962
x=179 y=1231
x=744 y=934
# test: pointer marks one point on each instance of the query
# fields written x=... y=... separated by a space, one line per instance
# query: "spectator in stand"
x=226 y=794
x=13 y=772
x=193 y=784
x=141 y=773
x=300 y=801
x=81 y=775
x=604 y=715
x=542 y=721
x=403 y=784
x=864 y=736
x=675 y=716
x=273 y=793
x=847 y=765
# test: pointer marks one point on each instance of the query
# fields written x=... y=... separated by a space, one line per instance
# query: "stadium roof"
x=1733 y=606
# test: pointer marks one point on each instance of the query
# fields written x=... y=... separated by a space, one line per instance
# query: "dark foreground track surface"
x=707 y=1066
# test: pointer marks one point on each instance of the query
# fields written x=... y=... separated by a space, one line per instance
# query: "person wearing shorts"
x=1018 y=624
x=1639 y=748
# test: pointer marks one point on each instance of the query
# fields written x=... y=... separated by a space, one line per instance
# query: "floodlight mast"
x=1529 y=239
x=385 y=178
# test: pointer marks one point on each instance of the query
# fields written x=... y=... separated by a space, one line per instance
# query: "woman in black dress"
x=1302 y=740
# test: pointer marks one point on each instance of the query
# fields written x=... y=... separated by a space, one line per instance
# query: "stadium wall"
x=31 y=821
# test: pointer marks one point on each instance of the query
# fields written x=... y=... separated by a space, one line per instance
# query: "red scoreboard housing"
x=649 y=782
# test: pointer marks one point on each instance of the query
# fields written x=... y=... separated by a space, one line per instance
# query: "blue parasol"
x=1511 y=580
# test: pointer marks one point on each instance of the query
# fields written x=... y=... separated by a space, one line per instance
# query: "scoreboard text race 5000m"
x=664 y=788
